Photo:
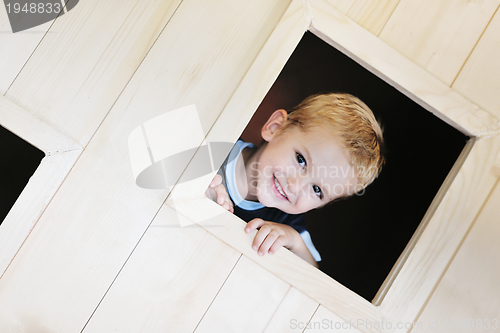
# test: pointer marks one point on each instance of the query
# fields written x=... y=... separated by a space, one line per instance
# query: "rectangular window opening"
x=19 y=162
x=361 y=238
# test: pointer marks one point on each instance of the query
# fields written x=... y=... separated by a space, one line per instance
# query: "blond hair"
x=352 y=122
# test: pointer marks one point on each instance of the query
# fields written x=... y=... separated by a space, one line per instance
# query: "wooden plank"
x=189 y=198
x=99 y=215
x=478 y=80
x=409 y=78
x=496 y=167
x=284 y=264
x=342 y=5
x=325 y=320
x=372 y=14
x=85 y=61
x=443 y=234
x=33 y=130
x=438 y=35
x=296 y=308
x=246 y=302
x=466 y=298
x=61 y=154
x=15 y=49
x=472 y=179
x=32 y=202
x=169 y=281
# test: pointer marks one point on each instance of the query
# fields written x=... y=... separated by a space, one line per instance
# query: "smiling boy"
x=327 y=148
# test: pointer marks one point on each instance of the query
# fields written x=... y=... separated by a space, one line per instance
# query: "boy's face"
x=299 y=171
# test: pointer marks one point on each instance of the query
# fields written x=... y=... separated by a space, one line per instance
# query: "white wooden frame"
x=424 y=261
x=61 y=154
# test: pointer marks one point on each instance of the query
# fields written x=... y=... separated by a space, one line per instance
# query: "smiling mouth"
x=278 y=187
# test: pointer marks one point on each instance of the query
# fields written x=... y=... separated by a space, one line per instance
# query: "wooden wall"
x=107 y=255
x=458 y=42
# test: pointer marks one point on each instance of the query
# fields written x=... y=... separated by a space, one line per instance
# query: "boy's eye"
x=318 y=191
x=301 y=160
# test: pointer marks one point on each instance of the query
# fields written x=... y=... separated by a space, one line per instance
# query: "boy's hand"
x=272 y=236
x=217 y=192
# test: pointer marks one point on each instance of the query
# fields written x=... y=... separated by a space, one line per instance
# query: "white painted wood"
x=438 y=35
x=85 y=61
x=284 y=264
x=466 y=299
x=496 y=167
x=295 y=308
x=61 y=154
x=168 y=282
x=478 y=80
x=419 y=276
x=325 y=320
x=372 y=14
x=408 y=77
x=33 y=130
x=443 y=234
x=15 y=49
x=342 y=5
x=246 y=301
x=32 y=202
x=99 y=215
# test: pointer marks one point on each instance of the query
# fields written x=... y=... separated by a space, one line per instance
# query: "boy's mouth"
x=278 y=187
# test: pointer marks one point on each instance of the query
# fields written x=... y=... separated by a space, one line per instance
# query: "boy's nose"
x=295 y=184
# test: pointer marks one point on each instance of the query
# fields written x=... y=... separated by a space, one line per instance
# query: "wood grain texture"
x=33 y=130
x=325 y=320
x=467 y=295
x=427 y=91
x=442 y=236
x=438 y=35
x=496 y=167
x=284 y=264
x=32 y=202
x=341 y=5
x=372 y=14
x=15 y=49
x=85 y=61
x=61 y=154
x=169 y=281
x=478 y=80
x=409 y=78
x=296 y=308
x=99 y=215
x=246 y=301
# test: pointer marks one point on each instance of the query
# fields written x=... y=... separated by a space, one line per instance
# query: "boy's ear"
x=275 y=121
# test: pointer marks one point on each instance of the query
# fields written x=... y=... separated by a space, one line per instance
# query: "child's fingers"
x=221 y=194
x=216 y=181
x=278 y=244
x=259 y=239
x=254 y=224
x=268 y=243
x=223 y=198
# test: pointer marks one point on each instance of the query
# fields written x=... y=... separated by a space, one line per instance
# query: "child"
x=327 y=148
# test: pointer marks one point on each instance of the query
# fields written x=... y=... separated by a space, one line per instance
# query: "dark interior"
x=18 y=163
x=360 y=238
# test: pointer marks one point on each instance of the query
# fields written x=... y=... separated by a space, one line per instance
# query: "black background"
x=361 y=238
x=18 y=163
